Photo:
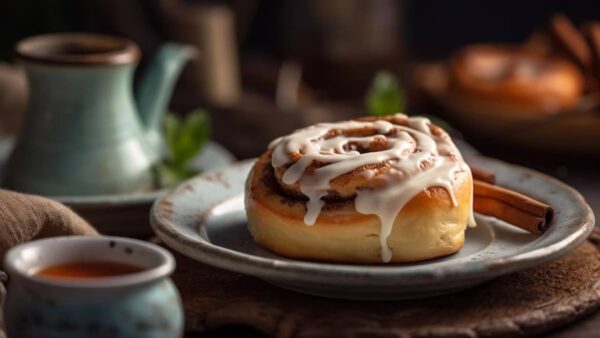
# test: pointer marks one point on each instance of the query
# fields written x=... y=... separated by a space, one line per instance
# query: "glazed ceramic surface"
x=84 y=132
x=126 y=214
x=204 y=218
x=138 y=305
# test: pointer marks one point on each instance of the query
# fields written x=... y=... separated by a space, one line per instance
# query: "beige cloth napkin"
x=26 y=217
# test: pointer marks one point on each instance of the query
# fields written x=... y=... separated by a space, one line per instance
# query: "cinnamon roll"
x=371 y=190
x=509 y=80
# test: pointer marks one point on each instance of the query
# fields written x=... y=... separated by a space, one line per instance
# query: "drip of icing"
x=412 y=152
x=386 y=203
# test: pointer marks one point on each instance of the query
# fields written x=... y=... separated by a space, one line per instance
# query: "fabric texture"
x=27 y=217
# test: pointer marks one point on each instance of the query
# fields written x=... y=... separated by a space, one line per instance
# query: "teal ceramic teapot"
x=85 y=133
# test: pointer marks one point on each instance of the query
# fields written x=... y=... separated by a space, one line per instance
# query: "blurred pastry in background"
x=507 y=79
x=544 y=92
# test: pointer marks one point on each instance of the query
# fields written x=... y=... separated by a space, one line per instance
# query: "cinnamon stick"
x=482 y=174
x=592 y=34
x=512 y=207
x=570 y=39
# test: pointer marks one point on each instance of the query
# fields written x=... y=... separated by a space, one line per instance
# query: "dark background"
x=431 y=28
x=269 y=32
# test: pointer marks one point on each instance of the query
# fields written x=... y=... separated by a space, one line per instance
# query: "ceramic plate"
x=204 y=218
x=126 y=214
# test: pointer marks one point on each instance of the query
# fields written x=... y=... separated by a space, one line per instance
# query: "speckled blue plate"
x=204 y=218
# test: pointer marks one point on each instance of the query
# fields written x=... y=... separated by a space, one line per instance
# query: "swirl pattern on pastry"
x=382 y=163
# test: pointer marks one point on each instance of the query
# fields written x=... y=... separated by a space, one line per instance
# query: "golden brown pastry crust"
x=428 y=226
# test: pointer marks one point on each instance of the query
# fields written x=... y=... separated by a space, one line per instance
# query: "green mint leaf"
x=185 y=137
x=193 y=134
x=171 y=129
x=385 y=95
x=167 y=175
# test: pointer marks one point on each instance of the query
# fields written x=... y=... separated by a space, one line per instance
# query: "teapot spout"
x=156 y=87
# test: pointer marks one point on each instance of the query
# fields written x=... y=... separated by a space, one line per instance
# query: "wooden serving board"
x=524 y=303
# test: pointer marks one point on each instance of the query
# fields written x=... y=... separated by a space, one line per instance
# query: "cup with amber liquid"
x=80 y=286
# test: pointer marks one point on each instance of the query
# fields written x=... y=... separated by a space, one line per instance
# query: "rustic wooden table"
x=582 y=173
x=228 y=304
x=587 y=181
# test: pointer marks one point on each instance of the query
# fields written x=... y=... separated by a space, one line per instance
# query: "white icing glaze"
x=418 y=160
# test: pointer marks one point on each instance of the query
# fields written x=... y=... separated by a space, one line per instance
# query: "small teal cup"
x=145 y=304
